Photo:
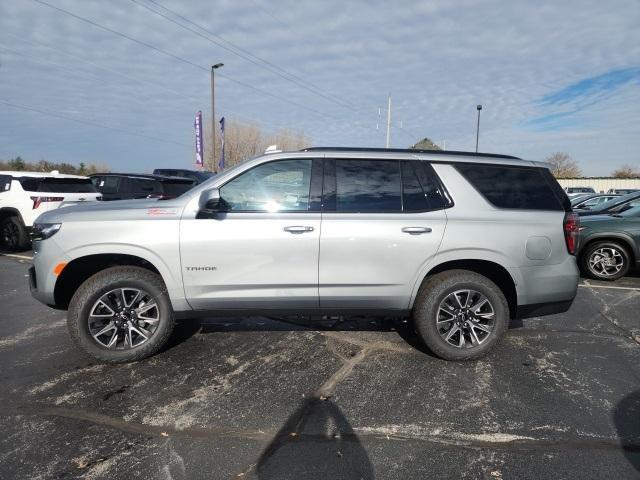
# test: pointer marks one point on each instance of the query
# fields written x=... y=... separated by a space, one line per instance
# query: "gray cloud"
x=438 y=59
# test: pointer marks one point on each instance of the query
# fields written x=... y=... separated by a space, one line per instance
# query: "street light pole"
x=479 y=107
x=213 y=113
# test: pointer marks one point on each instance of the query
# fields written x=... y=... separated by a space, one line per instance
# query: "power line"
x=245 y=54
x=92 y=124
x=181 y=59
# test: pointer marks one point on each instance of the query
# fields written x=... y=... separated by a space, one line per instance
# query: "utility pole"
x=388 y=122
x=213 y=114
x=479 y=107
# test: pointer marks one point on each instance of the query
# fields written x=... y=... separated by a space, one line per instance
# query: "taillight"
x=571 y=231
x=38 y=200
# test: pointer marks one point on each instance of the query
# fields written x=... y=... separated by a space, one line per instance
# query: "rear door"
x=382 y=221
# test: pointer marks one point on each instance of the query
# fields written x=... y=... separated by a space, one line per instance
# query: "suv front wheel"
x=13 y=234
x=460 y=315
x=121 y=314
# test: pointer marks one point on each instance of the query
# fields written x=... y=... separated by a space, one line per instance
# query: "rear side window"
x=5 y=183
x=372 y=186
x=514 y=187
x=57 y=185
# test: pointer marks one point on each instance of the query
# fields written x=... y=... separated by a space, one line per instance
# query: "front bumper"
x=42 y=280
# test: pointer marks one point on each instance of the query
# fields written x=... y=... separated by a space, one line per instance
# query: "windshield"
x=617 y=201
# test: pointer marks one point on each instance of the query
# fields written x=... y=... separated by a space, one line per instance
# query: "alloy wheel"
x=465 y=318
x=606 y=261
x=124 y=318
x=10 y=234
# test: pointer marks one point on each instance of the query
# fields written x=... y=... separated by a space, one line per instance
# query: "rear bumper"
x=542 y=309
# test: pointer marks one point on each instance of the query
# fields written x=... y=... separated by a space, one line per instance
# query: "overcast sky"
x=551 y=76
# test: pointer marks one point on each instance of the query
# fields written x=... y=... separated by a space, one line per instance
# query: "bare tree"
x=626 y=171
x=246 y=140
x=563 y=166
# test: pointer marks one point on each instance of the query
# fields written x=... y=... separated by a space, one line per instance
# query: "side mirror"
x=210 y=200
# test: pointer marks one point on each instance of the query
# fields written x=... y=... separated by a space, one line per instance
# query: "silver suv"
x=460 y=242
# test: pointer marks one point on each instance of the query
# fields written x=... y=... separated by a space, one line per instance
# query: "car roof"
x=145 y=176
x=441 y=156
x=39 y=174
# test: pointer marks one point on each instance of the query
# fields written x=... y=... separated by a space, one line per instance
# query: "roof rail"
x=408 y=150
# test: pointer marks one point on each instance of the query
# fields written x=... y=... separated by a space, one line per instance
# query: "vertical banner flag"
x=199 y=143
x=221 y=163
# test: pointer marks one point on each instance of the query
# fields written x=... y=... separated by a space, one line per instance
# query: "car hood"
x=114 y=210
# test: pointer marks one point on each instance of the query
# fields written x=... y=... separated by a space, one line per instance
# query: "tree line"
x=563 y=166
x=20 y=165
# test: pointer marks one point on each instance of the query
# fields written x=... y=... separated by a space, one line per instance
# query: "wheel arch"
x=78 y=270
x=625 y=240
x=487 y=268
x=7 y=212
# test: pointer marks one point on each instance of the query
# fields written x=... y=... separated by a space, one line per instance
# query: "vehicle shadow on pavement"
x=403 y=327
x=626 y=417
x=316 y=442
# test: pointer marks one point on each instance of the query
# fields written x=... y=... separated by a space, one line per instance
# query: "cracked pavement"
x=279 y=398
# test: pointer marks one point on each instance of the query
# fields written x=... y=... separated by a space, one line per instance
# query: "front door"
x=382 y=222
x=262 y=251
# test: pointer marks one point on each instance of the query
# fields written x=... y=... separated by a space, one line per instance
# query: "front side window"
x=276 y=186
x=368 y=186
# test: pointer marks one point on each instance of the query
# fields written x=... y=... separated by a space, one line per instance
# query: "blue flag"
x=221 y=163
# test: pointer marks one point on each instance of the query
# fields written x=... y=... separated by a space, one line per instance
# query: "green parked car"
x=609 y=244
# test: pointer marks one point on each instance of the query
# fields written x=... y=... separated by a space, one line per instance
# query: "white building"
x=600 y=184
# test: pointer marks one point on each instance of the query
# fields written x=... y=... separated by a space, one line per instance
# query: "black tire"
x=13 y=234
x=426 y=310
x=95 y=287
x=609 y=246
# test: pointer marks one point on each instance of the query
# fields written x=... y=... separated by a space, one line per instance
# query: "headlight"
x=42 y=231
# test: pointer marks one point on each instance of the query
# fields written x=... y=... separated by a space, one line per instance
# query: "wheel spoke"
x=116 y=324
x=110 y=326
x=468 y=314
x=452 y=332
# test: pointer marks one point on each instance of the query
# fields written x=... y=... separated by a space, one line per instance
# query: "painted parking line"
x=21 y=257
x=587 y=285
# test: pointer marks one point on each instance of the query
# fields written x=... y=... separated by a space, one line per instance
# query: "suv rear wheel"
x=606 y=260
x=13 y=234
x=121 y=314
x=460 y=315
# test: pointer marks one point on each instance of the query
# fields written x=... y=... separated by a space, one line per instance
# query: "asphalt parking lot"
x=267 y=398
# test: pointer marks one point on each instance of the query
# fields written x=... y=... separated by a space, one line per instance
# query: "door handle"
x=416 y=230
x=298 y=229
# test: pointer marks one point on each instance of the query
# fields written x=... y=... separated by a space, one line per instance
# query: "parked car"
x=610 y=244
x=126 y=186
x=575 y=191
x=588 y=202
x=460 y=242
x=198 y=175
x=623 y=191
x=25 y=195
x=615 y=205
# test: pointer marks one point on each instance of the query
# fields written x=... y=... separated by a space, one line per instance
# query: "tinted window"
x=514 y=187
x=175 y=188
x=271 y=187
x=57 y=185
x=107 y=184
x=142 y=185
x=5 y=183
x=420 y=189
x=368 y=186
x=603 y=207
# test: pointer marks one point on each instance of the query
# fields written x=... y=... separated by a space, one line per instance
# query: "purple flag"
x=199 y=141
x=221 y=163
